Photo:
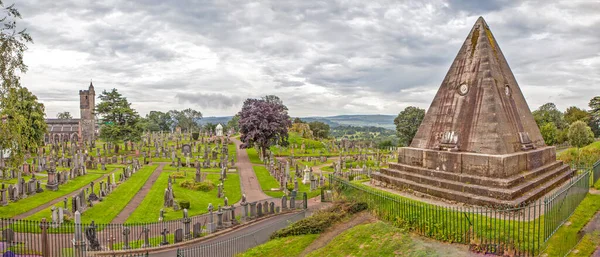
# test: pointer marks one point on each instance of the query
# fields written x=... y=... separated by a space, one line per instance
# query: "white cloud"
x=321 y=58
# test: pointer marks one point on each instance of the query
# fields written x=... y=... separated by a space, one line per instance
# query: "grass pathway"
x=139 y=196
x=148 y=210
x=31 y=205
x=105 y=211
x=334 y=231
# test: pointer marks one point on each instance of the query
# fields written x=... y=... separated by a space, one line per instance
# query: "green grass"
x=267 y=182
x=376 y=239
x=24 y=205
x=448 y=224
x=192 y=170
x=566 y=236
x=281 y=247
x=113 y=204
x=149 y=209
x=587 y=246
x=587 y=155
x=253 y=155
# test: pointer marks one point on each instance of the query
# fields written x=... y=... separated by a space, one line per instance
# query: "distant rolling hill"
x=383 y=121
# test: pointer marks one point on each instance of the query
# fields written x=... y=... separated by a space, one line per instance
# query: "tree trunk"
x=116 y=148
x=264 y=152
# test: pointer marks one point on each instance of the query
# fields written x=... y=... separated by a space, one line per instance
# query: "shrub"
x=184 y=204
x=321 y=220
x=315 y=224
x=195 y=135
x=179 y=174
x=204 y=186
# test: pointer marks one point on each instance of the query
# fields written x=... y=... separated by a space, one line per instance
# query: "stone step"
x=471 y=198
x=478 y=180
x=494 y=192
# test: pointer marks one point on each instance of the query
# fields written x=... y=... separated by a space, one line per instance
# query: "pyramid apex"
x=479 y=106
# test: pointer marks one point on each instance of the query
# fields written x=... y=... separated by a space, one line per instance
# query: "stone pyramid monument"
x=478 y=142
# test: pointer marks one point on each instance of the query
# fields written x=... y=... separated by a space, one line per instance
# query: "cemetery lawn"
x=113 y=204
x=253 y=155
x=566 y=236
x=192 y=170
x=282 y=247
x=149 y=209
x=104 y=212
x=24 y=205
x=374 y=239
x=267 y=182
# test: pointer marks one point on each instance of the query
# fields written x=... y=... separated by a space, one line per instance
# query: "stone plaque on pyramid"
x=478 y=142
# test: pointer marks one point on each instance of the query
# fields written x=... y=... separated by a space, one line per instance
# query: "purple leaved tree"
x=264 y=122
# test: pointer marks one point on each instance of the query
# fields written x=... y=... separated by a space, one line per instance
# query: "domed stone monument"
x=478 y=142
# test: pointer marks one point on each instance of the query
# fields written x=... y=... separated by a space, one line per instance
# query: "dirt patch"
x=332 y=232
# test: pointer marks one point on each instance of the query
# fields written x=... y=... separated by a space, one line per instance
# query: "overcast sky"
x=320 y=57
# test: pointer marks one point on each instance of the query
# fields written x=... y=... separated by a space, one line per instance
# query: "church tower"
x=87 y=104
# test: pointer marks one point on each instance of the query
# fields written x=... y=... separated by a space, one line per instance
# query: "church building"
x=82 y=130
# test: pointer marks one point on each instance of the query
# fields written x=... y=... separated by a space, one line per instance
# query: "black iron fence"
x=239 y=244
x=521 y=231
x=73 y=238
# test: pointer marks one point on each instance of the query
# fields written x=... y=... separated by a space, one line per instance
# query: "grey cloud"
x=209 y=100
x=398 y=52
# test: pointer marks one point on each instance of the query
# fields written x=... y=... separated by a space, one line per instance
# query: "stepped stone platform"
x=477 y=179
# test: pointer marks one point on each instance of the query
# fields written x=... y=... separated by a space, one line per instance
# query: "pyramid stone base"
x=478 y=179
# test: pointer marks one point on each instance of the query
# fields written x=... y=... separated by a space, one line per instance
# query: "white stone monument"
x=219 y=130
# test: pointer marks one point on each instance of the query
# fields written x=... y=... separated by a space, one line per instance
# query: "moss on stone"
x=490 y=37
x=474 y=39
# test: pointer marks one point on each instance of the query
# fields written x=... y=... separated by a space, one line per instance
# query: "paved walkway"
x=139 y=196
x=59 y=199
x=250 y=185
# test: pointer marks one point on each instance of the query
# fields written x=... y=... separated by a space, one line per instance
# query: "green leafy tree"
x=264 y=122
x=548 y=113
x=158 y=121
x=186 y=119
x=407 y=123
x=210 y=127
x=234 y=123
x=64 y=115
x=298 y=120
x=22 y=125
x=580 y=134
x=120 y=122
x=573 y=114
x=562 y=136
x=549 y=133
x=319 y=129
x=595 y=115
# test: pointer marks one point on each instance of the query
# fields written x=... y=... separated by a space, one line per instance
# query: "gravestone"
x=197 y=230
x=178 y=235
x=126 y=232
x=90 y=234
x=164 y=233
x=259 y=209
x=8 y=236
